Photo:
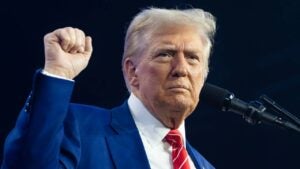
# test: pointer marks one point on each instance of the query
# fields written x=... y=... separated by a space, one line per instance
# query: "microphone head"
x=215 y=96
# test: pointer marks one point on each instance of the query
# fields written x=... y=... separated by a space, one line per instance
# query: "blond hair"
x=150 y=20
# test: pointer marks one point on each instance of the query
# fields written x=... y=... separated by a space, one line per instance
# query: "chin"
x=181 y=103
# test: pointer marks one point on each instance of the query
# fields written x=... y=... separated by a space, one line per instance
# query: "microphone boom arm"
x=253 y=112
x=256 y=114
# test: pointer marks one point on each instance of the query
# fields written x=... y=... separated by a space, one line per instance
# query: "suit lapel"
x=191 y=153
x=126 y=146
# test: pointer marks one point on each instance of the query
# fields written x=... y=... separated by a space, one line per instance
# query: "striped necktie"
x=179 y=153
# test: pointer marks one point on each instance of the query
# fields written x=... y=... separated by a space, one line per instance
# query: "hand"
x=67 y=52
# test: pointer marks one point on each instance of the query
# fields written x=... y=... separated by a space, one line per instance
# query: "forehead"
x=183 y=37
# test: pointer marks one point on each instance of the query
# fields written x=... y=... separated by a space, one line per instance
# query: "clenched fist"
x=67 y=52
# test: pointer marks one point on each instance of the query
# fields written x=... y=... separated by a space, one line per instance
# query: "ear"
x=130 y=72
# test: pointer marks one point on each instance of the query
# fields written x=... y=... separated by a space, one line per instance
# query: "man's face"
x=169 y=74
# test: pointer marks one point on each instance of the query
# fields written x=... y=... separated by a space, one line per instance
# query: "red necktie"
x=179 y=153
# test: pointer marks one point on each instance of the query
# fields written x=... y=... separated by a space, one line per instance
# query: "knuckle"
x=69 y=28
x=47 y=36
x=81 y=32
x=66 y=39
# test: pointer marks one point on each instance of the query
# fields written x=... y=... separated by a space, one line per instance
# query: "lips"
x=179 y=87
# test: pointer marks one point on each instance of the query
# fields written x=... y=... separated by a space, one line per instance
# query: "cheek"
x=150 y=77
x=158 y=72
x=153 y=75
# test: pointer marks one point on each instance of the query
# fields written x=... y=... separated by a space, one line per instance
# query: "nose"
x=179 y=66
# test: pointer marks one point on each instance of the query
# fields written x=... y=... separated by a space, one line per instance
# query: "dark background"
x=256 y=52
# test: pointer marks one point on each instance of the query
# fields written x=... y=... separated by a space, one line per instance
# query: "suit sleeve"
x=45 y=135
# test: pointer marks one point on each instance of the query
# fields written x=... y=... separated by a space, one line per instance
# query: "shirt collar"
x=153 y=130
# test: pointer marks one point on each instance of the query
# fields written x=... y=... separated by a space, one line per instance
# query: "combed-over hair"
x=145 y=23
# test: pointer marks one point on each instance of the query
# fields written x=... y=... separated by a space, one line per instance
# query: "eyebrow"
x=167 y=46
x=172 y=45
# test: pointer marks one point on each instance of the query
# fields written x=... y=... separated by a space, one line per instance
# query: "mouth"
x=179 y=88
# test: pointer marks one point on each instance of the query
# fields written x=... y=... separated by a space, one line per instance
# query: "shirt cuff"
x=56 y=76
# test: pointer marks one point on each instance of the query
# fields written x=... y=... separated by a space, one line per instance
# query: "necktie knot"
x=174 y=138
x=179 y=153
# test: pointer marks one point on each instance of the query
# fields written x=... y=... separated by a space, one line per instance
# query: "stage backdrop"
x=256 y=51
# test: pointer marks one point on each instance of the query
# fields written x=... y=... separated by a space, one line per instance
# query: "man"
x=165 y=64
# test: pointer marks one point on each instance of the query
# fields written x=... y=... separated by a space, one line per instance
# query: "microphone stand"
x=257 y=114
x=277 y=108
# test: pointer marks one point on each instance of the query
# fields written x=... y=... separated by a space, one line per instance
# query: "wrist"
x=57 y=73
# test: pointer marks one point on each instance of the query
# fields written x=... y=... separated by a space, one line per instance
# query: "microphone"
x=226 y=100
x=253 y=112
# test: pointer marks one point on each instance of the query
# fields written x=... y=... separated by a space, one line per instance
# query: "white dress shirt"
x=152 y=132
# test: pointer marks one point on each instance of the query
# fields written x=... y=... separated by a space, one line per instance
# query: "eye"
x=192 y=57
x=165 y=54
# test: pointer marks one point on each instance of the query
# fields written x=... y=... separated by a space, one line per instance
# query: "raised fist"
x=67 y=52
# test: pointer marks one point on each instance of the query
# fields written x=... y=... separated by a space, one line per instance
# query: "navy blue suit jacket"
x=52 y=133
